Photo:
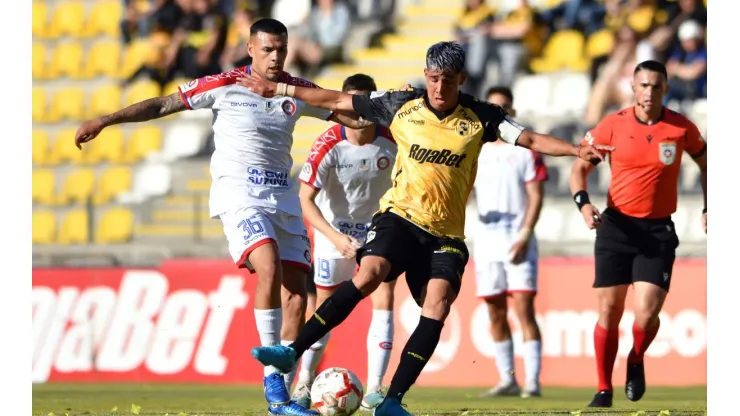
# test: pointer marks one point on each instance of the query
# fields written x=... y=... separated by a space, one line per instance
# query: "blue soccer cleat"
x=391 y=406
x=278 y=400
x=291 y=408
x=281 y=357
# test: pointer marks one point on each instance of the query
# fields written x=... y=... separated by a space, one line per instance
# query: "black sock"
x=416 y=353
x=331 y=313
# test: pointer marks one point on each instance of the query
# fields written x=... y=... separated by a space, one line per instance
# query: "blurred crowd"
x=670 y=31
x=200 y=37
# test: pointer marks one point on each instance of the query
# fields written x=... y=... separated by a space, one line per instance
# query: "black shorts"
x=629 y=250
x=310 y=284
x=411 y=250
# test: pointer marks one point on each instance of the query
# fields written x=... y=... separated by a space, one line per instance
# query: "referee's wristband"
x=581 y=199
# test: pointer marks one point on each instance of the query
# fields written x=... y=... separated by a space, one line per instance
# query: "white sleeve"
x=529 y=169
x=320 y=159
x=317 y=112
x=509 y=130
x=202 y=92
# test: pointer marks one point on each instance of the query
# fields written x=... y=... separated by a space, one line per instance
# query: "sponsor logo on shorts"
x=370 y=237
x=451 y=250
x=386 y=345
x=439 y=157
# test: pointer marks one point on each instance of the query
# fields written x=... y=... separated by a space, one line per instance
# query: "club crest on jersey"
x=189 y=86
x=365 y=164
x=383 y=163
x=667 y=153
x=288 y=107
x=463 y=127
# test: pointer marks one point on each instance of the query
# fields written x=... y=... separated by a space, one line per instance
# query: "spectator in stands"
x=141 y=17
x=518 y=36
x=687 y=65
x=471 y=31
x=328 y=25
x=235 y=53
x=586 y=16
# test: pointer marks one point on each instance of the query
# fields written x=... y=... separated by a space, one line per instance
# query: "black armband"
x=704 y=211
x=581 y=199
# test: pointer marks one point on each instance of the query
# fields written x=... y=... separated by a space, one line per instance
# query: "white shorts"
x=248 y=228
x=495 y=277
x=330 y=273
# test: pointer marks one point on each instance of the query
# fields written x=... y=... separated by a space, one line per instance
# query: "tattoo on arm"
x=150 y=109
x=362 y=123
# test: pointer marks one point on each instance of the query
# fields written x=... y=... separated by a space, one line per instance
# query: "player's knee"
x=438 y=299
x=497 y=310
x=524 y=304
x=373 y=271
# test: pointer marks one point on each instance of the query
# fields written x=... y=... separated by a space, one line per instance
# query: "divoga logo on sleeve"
x=268 y=178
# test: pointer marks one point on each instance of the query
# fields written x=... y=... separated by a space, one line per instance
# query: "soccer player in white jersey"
x=346 y=174
x=508 y=191
x=252 y=192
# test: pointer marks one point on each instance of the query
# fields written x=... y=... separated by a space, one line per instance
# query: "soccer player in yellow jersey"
x=419 y=227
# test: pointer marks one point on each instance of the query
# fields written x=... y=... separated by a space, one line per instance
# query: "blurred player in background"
x=346 y=174
x=636 y=239
x=252 y=192
x=419 y=227
x=508 y=191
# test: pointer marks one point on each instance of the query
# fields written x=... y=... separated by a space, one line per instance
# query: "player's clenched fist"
x=591 y=216
x=346 y=245
x=88 y=131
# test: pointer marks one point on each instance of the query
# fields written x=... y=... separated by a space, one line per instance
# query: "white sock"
x=269 y=324
x=503 y=352
x=311 y=359
x=532 y=352
x=379 y=343
x=289 y=377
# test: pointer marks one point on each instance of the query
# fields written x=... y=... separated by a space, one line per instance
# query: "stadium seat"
x=564 y=50
x=67 y=104
x=40 y=148
x=570 y=94
x=68 y=19
x=115 y=226
x=104 y=59
x=75 y=228
x=113 y=182
x=108 y=146
x=104 y=19
x=151 y=179
x=40 y=19
x=39 y=105
x=600 y=43
x=43 y=227
x=39 y=61
x=66 y=60
x=42 y=187
x=140 y=91
x=532 y=94
x=104 y=100
x=183 y=140
x=143 y=141
x=642 y=19
x=138 y=53
x=78 y=187
x=64 y=149
x=171 y=88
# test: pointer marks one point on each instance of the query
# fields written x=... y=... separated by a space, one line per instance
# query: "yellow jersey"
x=437 y=156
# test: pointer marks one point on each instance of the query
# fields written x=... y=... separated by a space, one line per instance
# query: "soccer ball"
x=336 y=392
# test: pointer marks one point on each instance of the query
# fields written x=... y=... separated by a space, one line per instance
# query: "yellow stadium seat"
x=75 y=228
x=143 y=141
x=40 y=148
x=104 y=18
x=138 y=53
x=44 y=227
x=39 y=61
x=171 y=88
x=115 y=226
x=564 y=50
x=104 y=100
x=642 y=19
x=40 y=19
x=64 y=149
x=68 y=19
x=42 y=187
x=78 y=187
x=140 y=91
x=68 y=104
x=108 y=146
x=600 y=43
x=66 y=60
x=114 y=181
x=39 y=105
x=104 y=59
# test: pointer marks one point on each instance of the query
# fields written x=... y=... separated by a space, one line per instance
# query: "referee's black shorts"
x=630 y=249
x=416 y=252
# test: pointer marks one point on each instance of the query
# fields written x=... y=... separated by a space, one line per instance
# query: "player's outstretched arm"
x=550 y=145
x=150 y=109
x=317 y=97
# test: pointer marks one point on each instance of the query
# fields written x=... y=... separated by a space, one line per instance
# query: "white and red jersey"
x=352 y=179
x=253 y=136
x=500 y=192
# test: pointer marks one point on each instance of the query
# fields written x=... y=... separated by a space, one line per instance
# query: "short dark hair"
x=501 y=90
x=653 y=66
x=359 y=82
x=269 y=26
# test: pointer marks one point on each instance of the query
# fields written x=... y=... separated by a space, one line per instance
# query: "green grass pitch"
x=192 y=400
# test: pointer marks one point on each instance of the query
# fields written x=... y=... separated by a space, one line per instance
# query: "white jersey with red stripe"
x=253 y=136
x=501 y=195
x=352 y=179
